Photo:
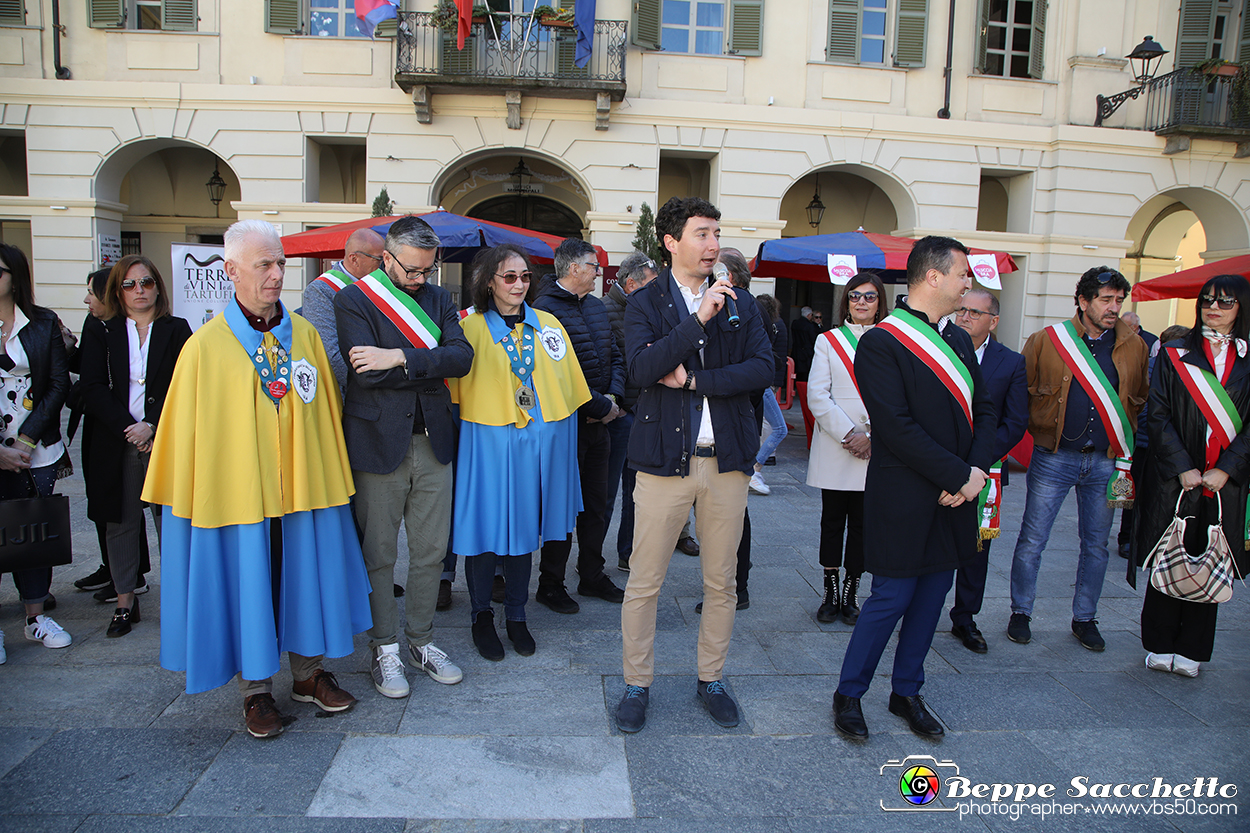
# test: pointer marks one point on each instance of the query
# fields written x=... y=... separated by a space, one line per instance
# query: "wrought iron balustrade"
x=1195 y=103
x=510 y=51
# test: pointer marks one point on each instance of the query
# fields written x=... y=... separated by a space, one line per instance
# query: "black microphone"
x=721 y=273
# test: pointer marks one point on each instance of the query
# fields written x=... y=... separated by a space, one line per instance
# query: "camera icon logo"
x=919 y=782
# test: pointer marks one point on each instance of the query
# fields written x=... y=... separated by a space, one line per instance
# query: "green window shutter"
x=746 y=27
x=284 y=17
x=1037 y=45
x=12 y=13
x=1196 y=32
x=646 y=24
x=456 y=61
x=179 y=16
x=105 y=14
x=1243 y=45
x=983 y=36
x=386 y=29
x=909 y=38
x=843 y=31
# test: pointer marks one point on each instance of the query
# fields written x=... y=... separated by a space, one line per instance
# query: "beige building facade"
x=758 y=105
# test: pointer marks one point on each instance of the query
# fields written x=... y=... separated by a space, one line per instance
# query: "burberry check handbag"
x=1207 y=577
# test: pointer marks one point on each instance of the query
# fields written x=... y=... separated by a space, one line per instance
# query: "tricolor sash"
x=988 y=504
x=402 y=310
x=335 y=279
x=926 y=344
x=1107 y=403
x=844 y=342
x=1223 y=421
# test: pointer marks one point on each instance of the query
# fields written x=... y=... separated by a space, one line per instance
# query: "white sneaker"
x=1159 y=662
x=47 y=631
x=3 y=655
x=758 y=485
x=388 y=672
x=430 y=659
x=1185 y=667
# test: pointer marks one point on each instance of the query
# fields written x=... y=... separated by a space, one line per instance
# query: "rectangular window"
x=334 y=19
x=700 y=27
x=696 y=26
x=1012 y=38
x=152 y=15
x=877 y=32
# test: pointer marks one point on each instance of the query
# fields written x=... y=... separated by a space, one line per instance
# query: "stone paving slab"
x=518 y=702
x=53 y=696
x=16 y=743
x=482 y=778
x=205 y=824
x=248 y=778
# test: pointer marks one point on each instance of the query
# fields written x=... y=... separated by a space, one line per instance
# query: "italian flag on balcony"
x=372 y=12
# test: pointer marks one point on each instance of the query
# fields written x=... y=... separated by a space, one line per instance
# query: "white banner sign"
x=985 y=268
x=842 y=268
x=110 y=250
x=199 y=283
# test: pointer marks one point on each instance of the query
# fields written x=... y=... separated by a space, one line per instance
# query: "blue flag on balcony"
x=372 y=12
x=584 y=18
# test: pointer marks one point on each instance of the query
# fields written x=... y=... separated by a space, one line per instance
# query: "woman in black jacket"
x=34 y=381
x=1178 y=635
x=127 y=366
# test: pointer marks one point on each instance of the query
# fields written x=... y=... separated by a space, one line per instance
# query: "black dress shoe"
x=744 y=602
x=971 y=637
x=601 y=588
x=917 y=716
x=521 y=639
x=123 y=619
x=848 y=716
x=485 y=638
x=688 y=545
x=556 y=598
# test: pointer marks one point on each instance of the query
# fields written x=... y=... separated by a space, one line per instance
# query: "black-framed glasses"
x=416 y=273
x=512 y=277
x=378 y=258
x=1207 y=301
x=855 y=297
x=974 y=314
x=147 y=283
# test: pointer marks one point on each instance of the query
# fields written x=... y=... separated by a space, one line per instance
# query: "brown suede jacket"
x=1049 y=379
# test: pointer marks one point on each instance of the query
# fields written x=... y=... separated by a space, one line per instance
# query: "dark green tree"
x=644 y=238
x=382 y=206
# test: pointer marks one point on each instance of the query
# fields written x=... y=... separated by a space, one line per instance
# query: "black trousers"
x=1175 y=626
x=970 y=586
x=744 y=553
x=593 y=450
x=842 y=511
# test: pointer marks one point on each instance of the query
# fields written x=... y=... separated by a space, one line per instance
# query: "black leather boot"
x=829 y=608
x=850 y=605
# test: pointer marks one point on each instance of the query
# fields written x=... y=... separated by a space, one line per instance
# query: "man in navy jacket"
x=931 y=444
x=1005 y=380
x=694 y=441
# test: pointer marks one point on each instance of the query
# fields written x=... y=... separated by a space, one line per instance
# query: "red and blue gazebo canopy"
x=806 y=258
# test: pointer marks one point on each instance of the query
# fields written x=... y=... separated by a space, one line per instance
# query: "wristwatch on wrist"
x=689 y=380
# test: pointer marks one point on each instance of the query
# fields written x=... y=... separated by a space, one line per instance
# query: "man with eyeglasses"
x=400 y=334
x=569 y=298
x=363 y=254
x=1002 y=370
x=1083 y=438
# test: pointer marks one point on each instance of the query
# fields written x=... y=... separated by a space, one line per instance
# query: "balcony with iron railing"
x=511 y=54
x=1209 y=103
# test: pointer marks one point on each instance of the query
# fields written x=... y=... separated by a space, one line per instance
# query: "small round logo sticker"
x=919 y=785
x=277 y=388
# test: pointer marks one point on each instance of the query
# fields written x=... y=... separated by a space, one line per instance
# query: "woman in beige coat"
x=838 y=460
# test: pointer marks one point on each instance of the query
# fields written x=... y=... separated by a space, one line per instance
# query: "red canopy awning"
x=1187 y=282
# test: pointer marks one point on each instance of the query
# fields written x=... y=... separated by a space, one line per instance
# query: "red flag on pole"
x=464 y=21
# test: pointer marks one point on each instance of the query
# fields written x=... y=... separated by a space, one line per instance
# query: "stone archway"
x=484 y=182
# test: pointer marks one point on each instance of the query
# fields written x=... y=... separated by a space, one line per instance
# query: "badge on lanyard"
x=525 y=398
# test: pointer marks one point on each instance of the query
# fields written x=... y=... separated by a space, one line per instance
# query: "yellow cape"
x=224 y=455
x=486 y=394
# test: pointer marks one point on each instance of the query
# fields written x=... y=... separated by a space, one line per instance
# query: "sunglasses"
x=974 y=314
x=1206 y=302
x=1103 y=277
x=129 y=284
x=856 y=297
x=511 y=277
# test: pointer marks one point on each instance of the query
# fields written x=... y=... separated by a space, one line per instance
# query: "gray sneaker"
x=388 y=672
x=430 y=659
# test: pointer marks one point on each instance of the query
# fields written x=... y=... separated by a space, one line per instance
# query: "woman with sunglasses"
x=1200 y=444
x=517 y=481
x=127 y=366
x=34 y=381
x=838 y=461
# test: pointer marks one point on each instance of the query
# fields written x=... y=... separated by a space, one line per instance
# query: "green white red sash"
x=988 y=504
x=1119 y=428
x=404 y=312
x=336 y=279
x=1223 y=421
x=844 y=342
x=926 y=344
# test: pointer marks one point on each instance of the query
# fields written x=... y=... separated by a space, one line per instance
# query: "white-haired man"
x=259 y=550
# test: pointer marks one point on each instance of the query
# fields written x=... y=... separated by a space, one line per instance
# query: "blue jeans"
x=479 y=575
x=621 y=477
x=777 y=421
x=1051 y=476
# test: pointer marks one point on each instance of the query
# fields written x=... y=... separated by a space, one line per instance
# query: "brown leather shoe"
x=444 y=595
x=321 y=688
x=261 y=716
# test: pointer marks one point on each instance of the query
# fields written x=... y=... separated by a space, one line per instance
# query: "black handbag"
x=35 y=531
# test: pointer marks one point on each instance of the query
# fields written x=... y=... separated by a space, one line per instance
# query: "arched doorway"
x=530 y=212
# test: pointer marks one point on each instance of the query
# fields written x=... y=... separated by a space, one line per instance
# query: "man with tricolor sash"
x=400 y=334
x=1087 y=382
x=363 y=254
x=933 y=438
x=1005 y=382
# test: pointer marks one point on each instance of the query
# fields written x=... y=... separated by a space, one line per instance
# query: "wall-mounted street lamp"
x=1145 y=59
x=216 y=187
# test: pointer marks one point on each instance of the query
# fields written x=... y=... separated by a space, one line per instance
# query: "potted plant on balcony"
x=555 y=18
x=447 y=17
x=1238 y=75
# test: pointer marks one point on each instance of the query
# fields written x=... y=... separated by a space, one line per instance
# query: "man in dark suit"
x=1005 y=381
x=933 y=436
x=401 y=338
